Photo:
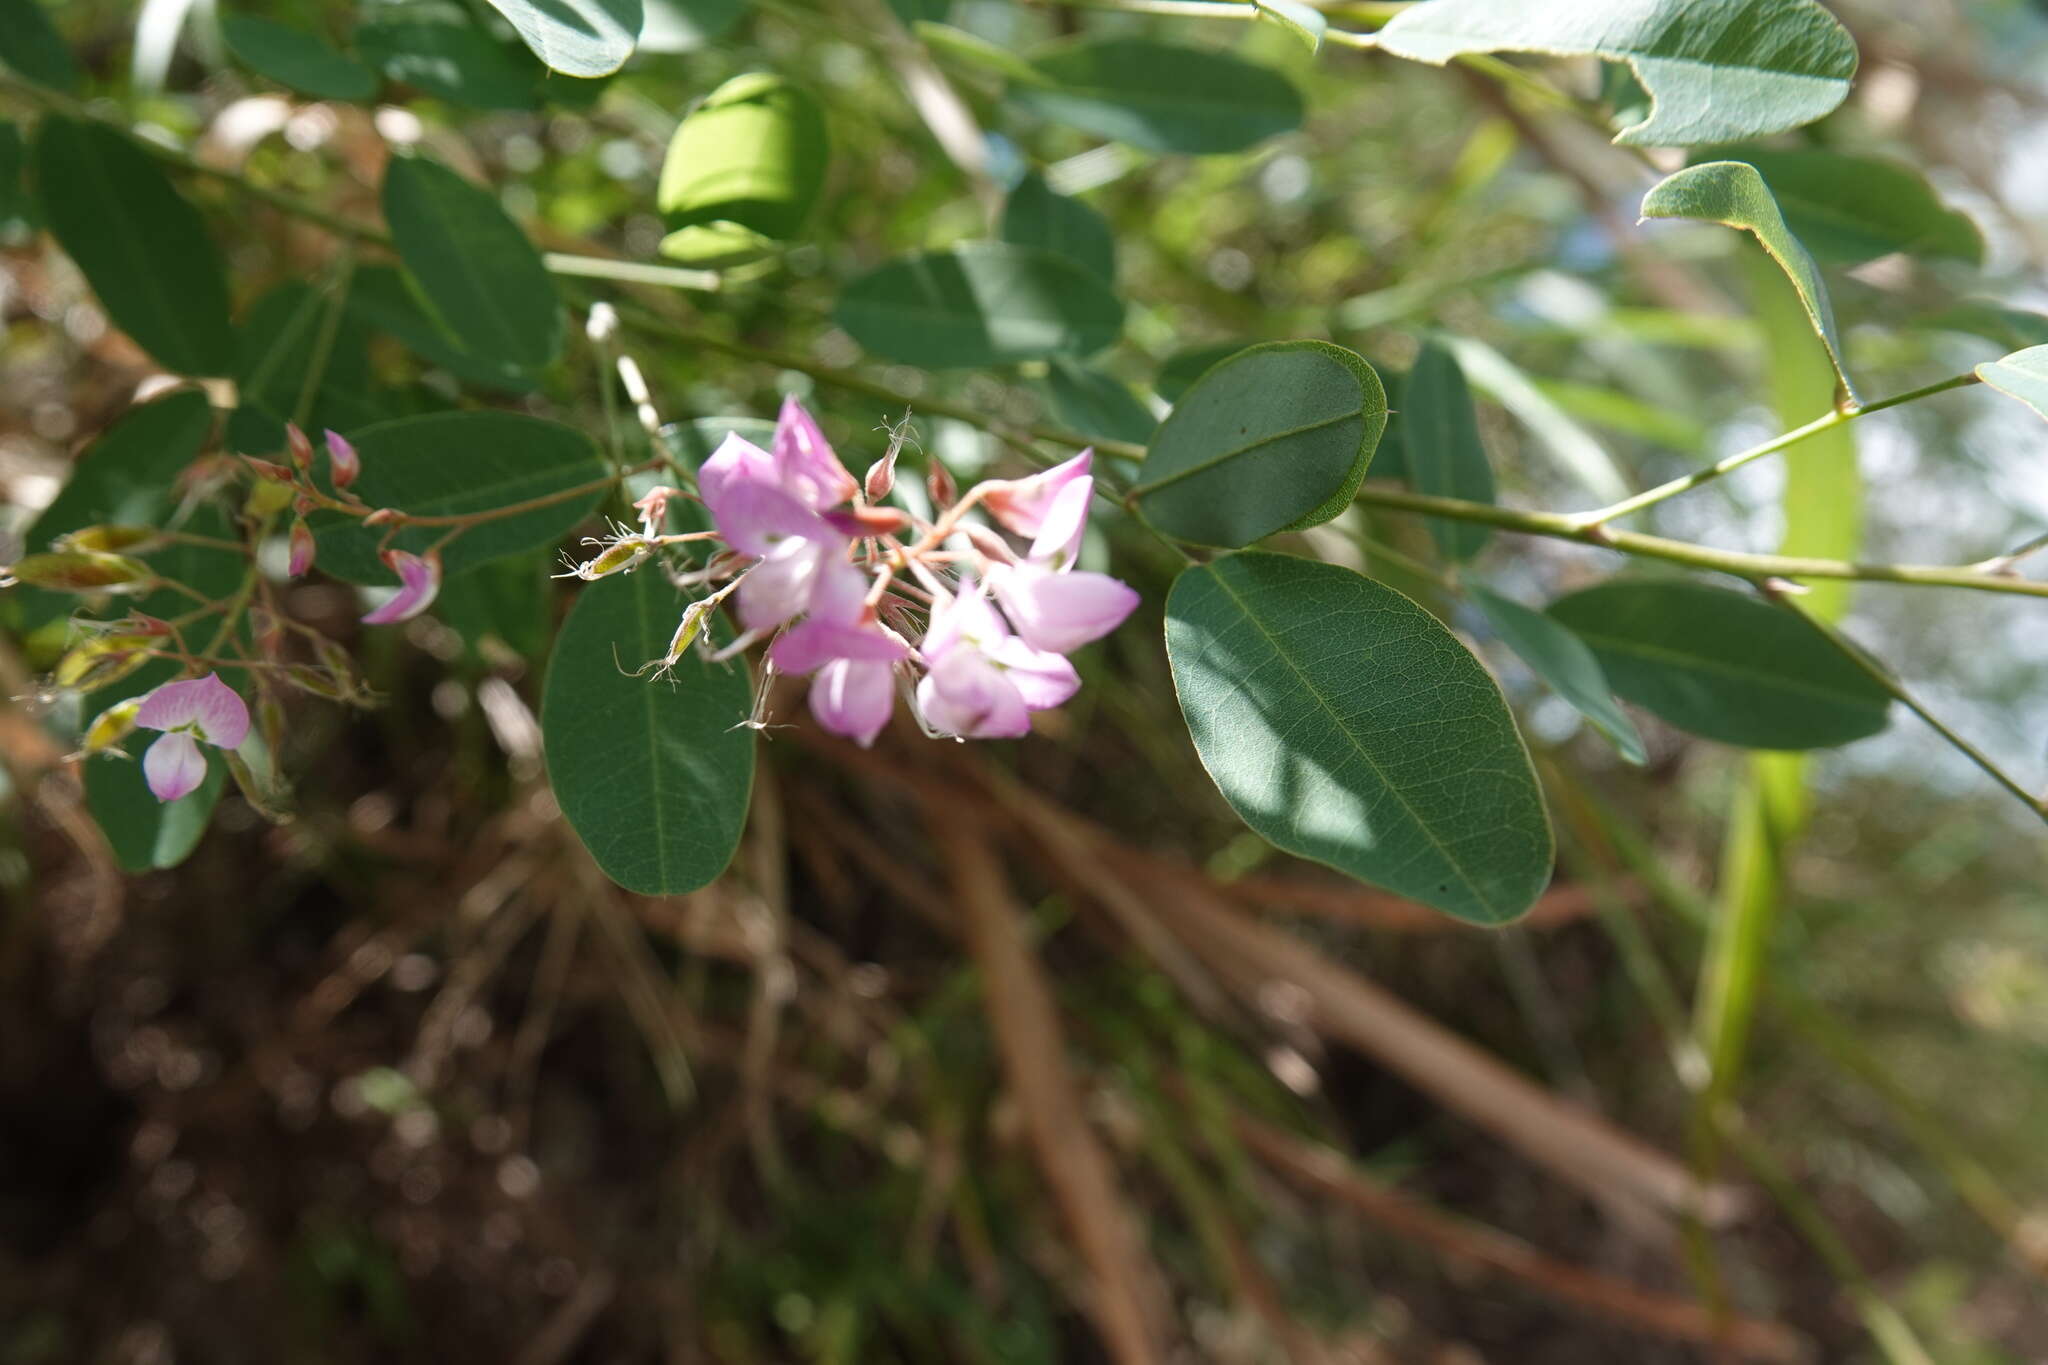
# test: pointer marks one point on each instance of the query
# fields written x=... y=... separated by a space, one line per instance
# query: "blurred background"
x=406 y=1079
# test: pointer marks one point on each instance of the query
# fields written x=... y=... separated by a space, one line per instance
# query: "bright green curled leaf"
x=1273 y=439
x=1725 y=666
x=1345 y=724
x=455 y=463
x=1034 y=215
x=981 y=303
x=30 y=44
x=1733 y=193
x=1715 y=70
x=1304 y=21
x=143 y=248
x=296 y=59
x=743 y=171
x=2022 y=375
x=1565 y=664
x=1161 y=97
x=475 y=269
x=577 y=37
x=1853 y=209
x=652 y=774
x=1440 y=439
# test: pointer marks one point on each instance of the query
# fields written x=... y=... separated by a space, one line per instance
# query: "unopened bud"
x=140 y=623
x=881 y=477
x=101 y=661
x=343 y=464
x=859 y=522
x=111 y=726
x=653 y=508
x=602 y=324
x=82 y=571
x=269 y=469
x=267 y=631
x=383 y=516
x=300 y=447
x=989 y=543
x=108 y=539
x=302 y=551
x=938 y=481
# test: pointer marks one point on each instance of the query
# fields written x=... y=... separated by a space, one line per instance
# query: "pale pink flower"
x=984 y=681
x=1060 y=611
x=807 y=465
x=419 y=580
x=1022 y=505
x=187 y=712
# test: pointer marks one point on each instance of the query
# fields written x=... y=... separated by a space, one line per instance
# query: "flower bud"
x=267 y=631
x=140 y=623
x=109 y=539
x=989 y=543
x=938 y=481
x=111 y=726
x=82 y=571
x=343 y=464
x=602 y=323
x=621 y=556
x=300 y=447
x=383 y=516
x=302 y=549
x=653 y=508
x=859 y=522
x=106 y=659
x=270 y=469
x=881 y=477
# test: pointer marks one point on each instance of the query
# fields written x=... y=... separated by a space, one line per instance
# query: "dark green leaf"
x=1566 y=665
x=1035 y=216
x=1716 y=70
x=1725 y=666
x=584 y=38
x=751 y=157
x=1440 y=437
x=15 y=206
x=653 y=775
x=477 y=272
x=146 y=833
x=455 y=463
x=1345 y=724
x=1181 y=369
x=383 y=300
x=289 y=333
x=502 y=605
x=983 y=303
x=1161 y=97
x=30 y=44
x=296 y=59
x=1734 y=194
x=1094 y=404
x=451 y=61
x=1273 y=439
x=2022 y=375
x=1853 y=209
x=143 y=248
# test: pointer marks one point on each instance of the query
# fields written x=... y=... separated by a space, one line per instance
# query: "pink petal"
x=303 y=547
x=809 y=468
x=420 y=581
x=206 y=704
x=967 y=620
x=1058 y=543
x=755 y=517
x=1062 y=611
x=1022 y=504
x=816 y=643
x=736 y=461
x=174 y=766
x=1042 y=679
x=966 y=695
x=853 y=697
x=779 y=588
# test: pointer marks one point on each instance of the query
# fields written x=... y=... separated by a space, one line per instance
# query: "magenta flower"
x=1050 y=605
x=1022 y=505
x=984 y=681
x=187 y=712
x=854 y=656
x=801 y=554
x=807 y=465
x=419 y=580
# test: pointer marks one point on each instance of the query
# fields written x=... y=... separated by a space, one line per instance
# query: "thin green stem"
x=323 y=341
x=631 y=272
x=1785 y=441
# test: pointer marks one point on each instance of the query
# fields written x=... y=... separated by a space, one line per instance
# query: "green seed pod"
x=109 y=539
x=83 y=571
x=107 y=659
x=111 y=726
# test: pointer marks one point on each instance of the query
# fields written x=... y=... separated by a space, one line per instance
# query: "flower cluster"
x=865 y=597
x=419 y=575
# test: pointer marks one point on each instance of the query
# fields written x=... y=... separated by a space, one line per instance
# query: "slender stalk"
x=1785 y=441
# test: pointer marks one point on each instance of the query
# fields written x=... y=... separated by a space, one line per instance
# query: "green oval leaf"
x=1733 y=193
x=1178 y=373
x=292 y=349
x=1565 y=664
x=143 y=248
x=1275 y=438
x=751 y=157
x=2022 y=375
x=477 y=272
x=1853 y=209
x=1034 y=215
x=1095 y=404
x=1715 y=70
x=451 y=61
x=1440 y=441
x=653 y=776
x=1345 y=724
x=981 y=303
x=452 y=464
x=296 y=59
x=585 y=38
x=1725 y=666
x=1161 y=97
x=146 y=833
x=30 y=44
x=380 y=297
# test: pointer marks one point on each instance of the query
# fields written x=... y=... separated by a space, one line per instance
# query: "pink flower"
x=807 y=465
x=1022 y=505
x=854 y=656
x=1060 y=611
x=983 y=681
x=419 y=579
x=343 y=464
x=302 y=547
x=187 y=712
x=801 y=554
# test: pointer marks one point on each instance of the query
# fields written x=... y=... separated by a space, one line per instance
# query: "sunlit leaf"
x=1304 y=21
x=1565 y=664
x=1853 y=209
x=653 y=774
x=143 y=248
x=1161 y=97
x=982 y=303
x=296 y=59
x=1715 y=70
x=1734 y=194
x=687 y=25
x=1440 y=437
x=751 y=157
x=576 y=37
x=1275 y=438
x=2022 y=375
x=1346 y=724
x=1724 y=665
